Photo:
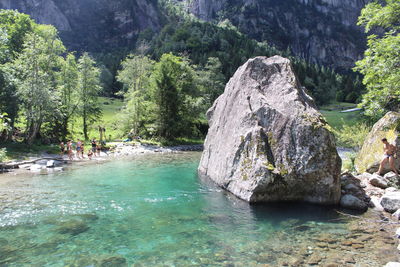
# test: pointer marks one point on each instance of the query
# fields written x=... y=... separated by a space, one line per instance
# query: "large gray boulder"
x=267 y=141
x=371 y=153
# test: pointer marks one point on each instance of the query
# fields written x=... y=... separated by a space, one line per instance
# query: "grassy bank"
x=336 y=118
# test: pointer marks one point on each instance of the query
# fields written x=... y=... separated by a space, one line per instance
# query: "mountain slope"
x=93 y=24
x=321 y=31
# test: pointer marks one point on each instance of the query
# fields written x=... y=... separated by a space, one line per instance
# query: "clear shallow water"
x=150 y=211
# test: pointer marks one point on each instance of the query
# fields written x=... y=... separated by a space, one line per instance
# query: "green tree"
x=14 y=27
x=213 y=80
x=35 y=77
x=176 y=95
x=89 y=89
x=68 y=94
x=380 y=65
x=135 y=76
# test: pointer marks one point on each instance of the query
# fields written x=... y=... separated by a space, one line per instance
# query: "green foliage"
x=176 y=96
x=67 y=90
x=352 y=136
x=35 y=77
x=212 y=79
x=349 y=162
x=380 y=64
x=3 y=154
x=139 y=105
x=89 y=89
x=201 y=41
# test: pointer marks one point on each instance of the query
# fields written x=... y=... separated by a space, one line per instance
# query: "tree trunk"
x=64 y=129
x=85 y=126
x=32 y=133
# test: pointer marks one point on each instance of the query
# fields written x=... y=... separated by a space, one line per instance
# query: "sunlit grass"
x=336 y=119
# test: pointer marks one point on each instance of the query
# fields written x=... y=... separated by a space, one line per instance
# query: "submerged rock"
x=371 y=153
x=115 y=261
x=73 y=227
x=267 y=141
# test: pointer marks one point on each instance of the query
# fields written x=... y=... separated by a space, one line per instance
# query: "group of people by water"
x=95 y=150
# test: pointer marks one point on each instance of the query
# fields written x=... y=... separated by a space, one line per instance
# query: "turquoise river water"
x=153 y=210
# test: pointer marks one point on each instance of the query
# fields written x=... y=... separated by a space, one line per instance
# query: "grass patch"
x=21 y=151
x=336 y=119
x=109 y=119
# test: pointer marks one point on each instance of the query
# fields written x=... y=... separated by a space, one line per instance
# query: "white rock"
x=392 y=264
x=37 y=167
x=50 y=164
x=396 y=214
x=376 y=203
x=25 y=166
x=390 y=176
x=398 y=233
x=391 y=189
x=391 y=201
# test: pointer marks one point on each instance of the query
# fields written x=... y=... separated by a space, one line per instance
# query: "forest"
x=166 y=83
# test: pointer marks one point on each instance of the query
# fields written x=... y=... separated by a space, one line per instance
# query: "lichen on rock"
x=267 y=141
x=371 y=153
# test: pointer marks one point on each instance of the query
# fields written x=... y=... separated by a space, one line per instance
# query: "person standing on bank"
x=389 y=156
x=94 y=146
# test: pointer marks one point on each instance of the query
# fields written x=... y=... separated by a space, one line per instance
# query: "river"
x=153 y=210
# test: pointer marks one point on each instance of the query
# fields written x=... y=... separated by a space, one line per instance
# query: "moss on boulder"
x=371 y=153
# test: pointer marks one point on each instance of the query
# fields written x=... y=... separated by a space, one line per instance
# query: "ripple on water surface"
x=153 y=210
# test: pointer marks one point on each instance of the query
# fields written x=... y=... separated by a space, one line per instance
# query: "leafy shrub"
x=348 y=162
x=3 y=154
x=352 y=136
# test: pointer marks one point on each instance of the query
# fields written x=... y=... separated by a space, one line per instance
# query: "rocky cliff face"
x=321 y=31
x=93 y=24
x=267 y=141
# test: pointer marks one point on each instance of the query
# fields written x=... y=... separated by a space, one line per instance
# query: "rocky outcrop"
x=92 y=24
x=321 y=31
x=267 y=141
x=371 y=153
x=353 y=191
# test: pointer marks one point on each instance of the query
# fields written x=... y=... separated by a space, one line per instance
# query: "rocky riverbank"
x=48 y=163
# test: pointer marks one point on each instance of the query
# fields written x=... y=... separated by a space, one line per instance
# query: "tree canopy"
x=381 y=62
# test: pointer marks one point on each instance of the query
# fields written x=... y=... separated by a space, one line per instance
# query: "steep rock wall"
x=321 y=31
x=92 y=24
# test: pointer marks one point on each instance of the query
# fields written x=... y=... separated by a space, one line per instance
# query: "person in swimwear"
x=389 y=156
x=62 y=149
x=79 y=149
x=69 y=150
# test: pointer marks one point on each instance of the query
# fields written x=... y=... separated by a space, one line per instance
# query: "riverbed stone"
x=352 y=202
x=391 y=201
x=267 y=141
x=371 y=153
x=73 y=227
x=375 y=203
x=379 y=181
x=392 y=264
x=114 y=261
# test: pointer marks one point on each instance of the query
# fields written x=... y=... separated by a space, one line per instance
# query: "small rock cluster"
x=370 y=190
x=375 y=191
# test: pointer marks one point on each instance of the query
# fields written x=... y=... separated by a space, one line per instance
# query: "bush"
x=352 y=136
x=3 y=154
x=348 y=162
